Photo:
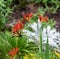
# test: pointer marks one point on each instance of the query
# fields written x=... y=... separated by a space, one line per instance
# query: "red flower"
x=43 y=19
x=17 y=26
x=27 y=16
x=11 y=58
x=13 y=52
x=16 y=49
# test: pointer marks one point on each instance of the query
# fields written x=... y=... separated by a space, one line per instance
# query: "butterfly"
x=17 y=34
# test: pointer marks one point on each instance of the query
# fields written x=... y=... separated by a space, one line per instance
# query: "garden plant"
x=33 y=35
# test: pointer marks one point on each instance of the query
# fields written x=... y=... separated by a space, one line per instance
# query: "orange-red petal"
x=17 y=26
x=27 y=16
x=16 y=49
x=43 y=19
x=11 y=58
x=46 y=18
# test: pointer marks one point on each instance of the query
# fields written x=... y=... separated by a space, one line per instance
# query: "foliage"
x=19 y=3
x=35 y=24
x=38 y=36
x=50 y=5
x=8 y=42
x=5 y=10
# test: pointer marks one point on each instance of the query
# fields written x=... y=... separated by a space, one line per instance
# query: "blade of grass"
x=47 y=49
x=40 y=44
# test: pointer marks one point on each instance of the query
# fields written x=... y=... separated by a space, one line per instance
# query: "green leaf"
x=45 y=1
x=47 y=49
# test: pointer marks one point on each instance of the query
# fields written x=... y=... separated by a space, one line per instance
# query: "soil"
x=17 y=14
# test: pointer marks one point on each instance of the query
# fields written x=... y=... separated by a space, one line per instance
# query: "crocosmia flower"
x=27 y=16
x=11 y=58
x=43 y=19
x=18 y=26
x=13 y=52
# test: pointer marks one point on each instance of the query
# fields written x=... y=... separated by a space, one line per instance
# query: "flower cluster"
x=18 y=26
x=31 y=56
x=13 y=52
x=43 y=19
x=53 y=35
x=27 y=16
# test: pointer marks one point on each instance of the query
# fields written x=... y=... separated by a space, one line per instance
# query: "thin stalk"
x=40 y=44
x=47 y=49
